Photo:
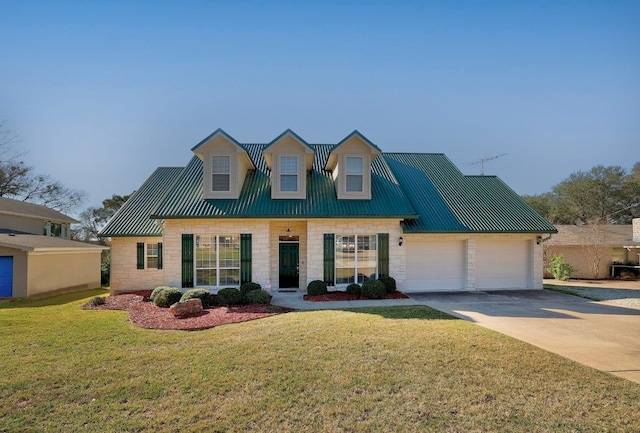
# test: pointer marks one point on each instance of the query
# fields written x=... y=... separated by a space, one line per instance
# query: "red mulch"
x=344 y=296
x=145 y=314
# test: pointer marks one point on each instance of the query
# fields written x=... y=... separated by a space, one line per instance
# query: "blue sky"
x=102 y=93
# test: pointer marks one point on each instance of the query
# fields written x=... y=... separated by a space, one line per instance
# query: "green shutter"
x=187 y=260
x=159 y=255
x=329 y=258
x=383 y=254
x=140 y=255
x=245 y=258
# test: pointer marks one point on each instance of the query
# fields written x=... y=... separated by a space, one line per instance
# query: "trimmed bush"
x=249 y=287
x=229 y=296
x=389 y=283
x=201 y=294
x=167 y=297
x=317 y=287
x=155 y=292
x=354 y=289
x=97 y=300
x=258 y=297
x=373 y=289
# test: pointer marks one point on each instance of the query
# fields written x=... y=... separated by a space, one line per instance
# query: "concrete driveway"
x=601 y=336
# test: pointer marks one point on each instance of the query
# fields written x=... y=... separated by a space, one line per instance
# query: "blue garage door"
x=6 y=277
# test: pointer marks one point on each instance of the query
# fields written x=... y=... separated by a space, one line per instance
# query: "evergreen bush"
x=373 y=289
x=258 y=297
x=167 y=297
x=389 y=283
x=201 y=294
x=354 y=289
x=229 y=296
x=248 y=287
x=317 y=287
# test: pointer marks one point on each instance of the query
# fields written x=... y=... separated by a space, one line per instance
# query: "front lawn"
x=401 y=369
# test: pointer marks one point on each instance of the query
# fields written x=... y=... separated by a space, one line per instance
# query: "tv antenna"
x=481 y=161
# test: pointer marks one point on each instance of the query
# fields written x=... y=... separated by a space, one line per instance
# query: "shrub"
x=389 y=283
x=560 y=269
x=373 y=289
x=249 y=287
x=155 y=292
x=201 y=294
x=317 y=287
x=258 y=297
x=167 y=297
x=229 y=296
x=97 y=300
x=354 y=289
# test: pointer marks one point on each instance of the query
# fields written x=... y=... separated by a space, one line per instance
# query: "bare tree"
x=18 y=181
x=594 y=242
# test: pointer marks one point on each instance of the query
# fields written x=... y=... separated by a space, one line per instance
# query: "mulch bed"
x=145 y=314
x=344 y=296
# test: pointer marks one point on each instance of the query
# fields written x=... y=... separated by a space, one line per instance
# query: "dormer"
x=289 y=158
x=350 y=164
x=225 y=164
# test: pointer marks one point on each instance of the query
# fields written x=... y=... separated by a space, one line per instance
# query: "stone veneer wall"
x=315 y=236
x=172 y=246
x=125 y=277
x=636 y=229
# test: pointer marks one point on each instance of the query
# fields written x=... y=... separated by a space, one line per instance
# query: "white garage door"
x=503 y=264
x=436 y=265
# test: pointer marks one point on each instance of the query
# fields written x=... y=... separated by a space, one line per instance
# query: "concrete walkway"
x=599 y=335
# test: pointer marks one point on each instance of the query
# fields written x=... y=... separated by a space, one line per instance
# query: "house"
x=21 y=217
x=597 y=251
x=37 y=259
x=288 y=212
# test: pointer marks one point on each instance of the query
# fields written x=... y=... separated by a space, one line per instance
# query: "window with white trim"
x=217 y=260
x=354 y=173
x=152 y=256
x=356 y=258
x=288 y=173
x=221 y=173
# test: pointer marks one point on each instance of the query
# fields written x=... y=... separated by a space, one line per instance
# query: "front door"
x=6 y=276
x=289 y=269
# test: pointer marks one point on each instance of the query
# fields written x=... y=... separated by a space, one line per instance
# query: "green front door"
x=289 y=270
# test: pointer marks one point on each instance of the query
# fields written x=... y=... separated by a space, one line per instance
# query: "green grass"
x=402 y=369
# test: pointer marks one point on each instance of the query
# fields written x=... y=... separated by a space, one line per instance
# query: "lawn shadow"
x=54 y=300
x=421 y=312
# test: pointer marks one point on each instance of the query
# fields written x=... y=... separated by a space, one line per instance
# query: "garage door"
x=6 y=277
x=503 y=264
x=435 y=265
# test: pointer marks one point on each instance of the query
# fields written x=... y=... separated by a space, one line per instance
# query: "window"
x=152 y=256
x=221 y=173
x=217 y=260
x=354 y=174
x=288 y=174
x=356 y=258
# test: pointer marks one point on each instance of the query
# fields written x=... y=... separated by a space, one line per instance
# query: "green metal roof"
x=132 y=219
x=450 y=202
x=426 y=190
x=184 y=200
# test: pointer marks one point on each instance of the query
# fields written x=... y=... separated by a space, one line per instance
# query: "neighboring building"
x=289 y=212
x=36 y=257
x=21 y=217
x=592 y=249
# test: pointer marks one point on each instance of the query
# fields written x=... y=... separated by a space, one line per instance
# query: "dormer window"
x=288 y=173
x=220 y=173
x=354 y=173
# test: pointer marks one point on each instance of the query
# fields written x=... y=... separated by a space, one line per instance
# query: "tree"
x=602 y=194
x=18 y=181
x=93 y=219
